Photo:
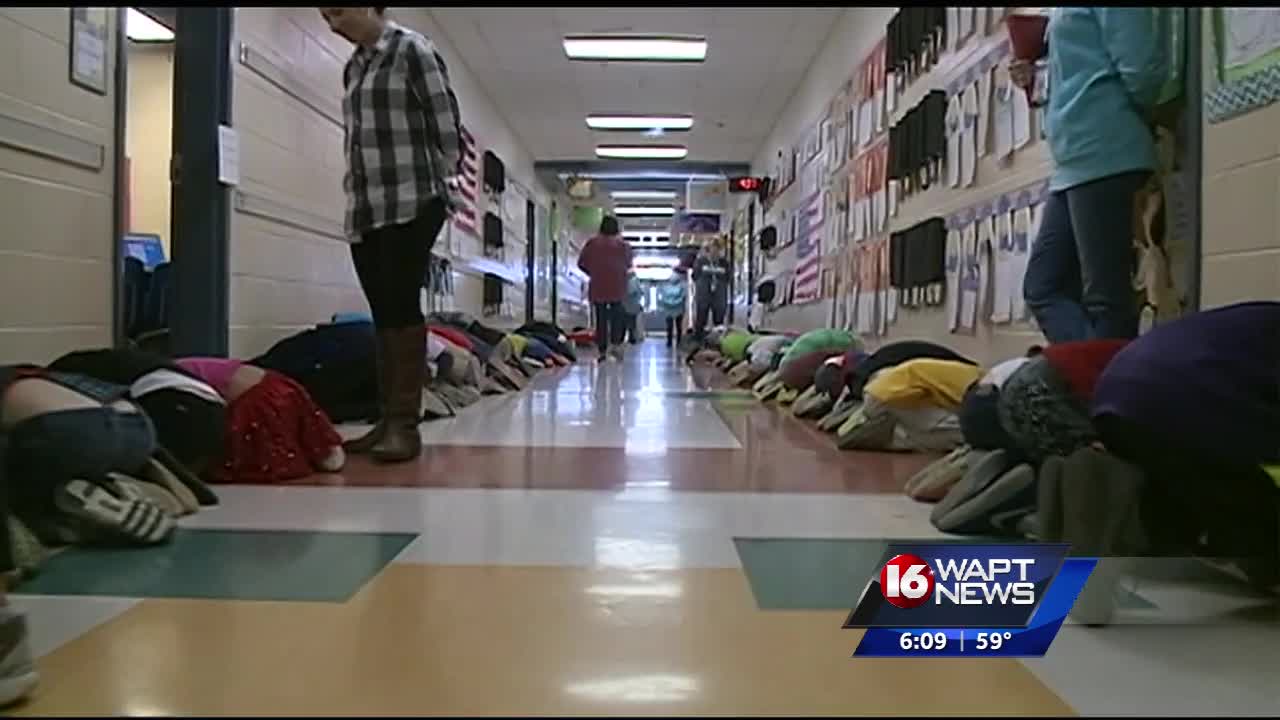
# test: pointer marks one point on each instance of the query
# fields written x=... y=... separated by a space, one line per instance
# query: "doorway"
x=173 y=91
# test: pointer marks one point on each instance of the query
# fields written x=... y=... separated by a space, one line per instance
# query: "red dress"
x=275 y=432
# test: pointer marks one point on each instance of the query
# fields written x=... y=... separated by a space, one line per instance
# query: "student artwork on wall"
x=809 y=233
x=1243 y=66
x=987 y=248
x=466 y=213
x=870 y=76
x=984 y=111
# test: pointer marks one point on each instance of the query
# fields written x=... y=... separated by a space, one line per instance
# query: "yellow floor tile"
x=508 y=640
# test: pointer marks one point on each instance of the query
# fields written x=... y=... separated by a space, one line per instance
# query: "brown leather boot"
x=365 y=443
x=407 y=364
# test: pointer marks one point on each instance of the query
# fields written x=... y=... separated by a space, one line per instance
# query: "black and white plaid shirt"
x=401 y=130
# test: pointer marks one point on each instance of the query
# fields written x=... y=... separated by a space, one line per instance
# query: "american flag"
x=464 y=216
x=809 y=249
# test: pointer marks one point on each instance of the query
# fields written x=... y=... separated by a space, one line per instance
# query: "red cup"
x=1026 y=36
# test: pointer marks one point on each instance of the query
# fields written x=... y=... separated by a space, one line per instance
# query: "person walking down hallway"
x=633 y=306
x=401 y=140
x=1107 y=67
x=672 y=298
x=605 y=259
x=711 y=288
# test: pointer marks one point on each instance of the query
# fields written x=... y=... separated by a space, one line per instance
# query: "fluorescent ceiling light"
x=639 y=48
x=643 y=195
x=655 y=261
x=642 y=152
x=639 y=122
x=139 y=27
x=659 y=274
x=642 y=210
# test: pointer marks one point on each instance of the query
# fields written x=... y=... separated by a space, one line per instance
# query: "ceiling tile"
x=757 y=56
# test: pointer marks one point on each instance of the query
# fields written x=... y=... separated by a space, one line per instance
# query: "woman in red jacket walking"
x=606 y=259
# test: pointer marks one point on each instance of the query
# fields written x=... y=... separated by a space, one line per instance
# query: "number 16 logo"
x=906 y=581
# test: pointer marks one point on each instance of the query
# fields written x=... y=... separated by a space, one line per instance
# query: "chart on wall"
x=466 y=213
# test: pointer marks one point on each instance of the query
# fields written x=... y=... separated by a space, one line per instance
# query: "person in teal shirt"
x=672 y=299
x=633 y=306
x=1106 y=68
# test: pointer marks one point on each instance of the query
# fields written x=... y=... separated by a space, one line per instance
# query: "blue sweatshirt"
x=1106 y=68
x=1210 y=380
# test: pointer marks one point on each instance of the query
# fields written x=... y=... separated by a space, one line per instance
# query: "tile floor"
x=578 y=549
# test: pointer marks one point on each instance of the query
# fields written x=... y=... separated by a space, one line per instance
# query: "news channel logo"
x=966 y=600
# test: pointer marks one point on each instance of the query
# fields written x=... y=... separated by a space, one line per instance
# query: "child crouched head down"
x=274 y=432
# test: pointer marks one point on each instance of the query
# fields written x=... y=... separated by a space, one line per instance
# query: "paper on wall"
x=966 y=25
x=986 y=233
x=1021 y=120
x=881 y=196
x=1025 y=226
x=955 y=128
x=980 y=21
x=984 y=111
x=886 y=292
x=228 y=156
x=1002 y=300
x=953 y=28
x=1003 y=92
x=866 y=123
x=969 y=280
x=969 y=137
x=951 y=289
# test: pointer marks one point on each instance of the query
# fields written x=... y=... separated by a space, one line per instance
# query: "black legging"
x=715 y=307
x=1190 y=491
x=391 y=263
x=609 y=325
x=675 y=328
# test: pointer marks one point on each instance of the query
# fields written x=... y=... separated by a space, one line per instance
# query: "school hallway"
x=615 y=540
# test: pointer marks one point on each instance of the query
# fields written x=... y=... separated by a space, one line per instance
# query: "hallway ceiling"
x=756 y=58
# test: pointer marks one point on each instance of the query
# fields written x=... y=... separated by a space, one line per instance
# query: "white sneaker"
x=17 y=670
x=334 y=461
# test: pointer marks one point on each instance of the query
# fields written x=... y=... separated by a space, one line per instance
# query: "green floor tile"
x=226 y=565
x=819 y=574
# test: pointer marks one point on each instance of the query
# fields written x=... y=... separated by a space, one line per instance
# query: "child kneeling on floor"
x=275 y=432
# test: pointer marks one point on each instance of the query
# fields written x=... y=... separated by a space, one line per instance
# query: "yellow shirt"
x=925 y=381
x=519 y=343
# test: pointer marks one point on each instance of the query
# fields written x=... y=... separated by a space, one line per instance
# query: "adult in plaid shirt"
x=401 y=143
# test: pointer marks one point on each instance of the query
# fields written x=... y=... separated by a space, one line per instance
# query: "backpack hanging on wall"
x=492 y=294
x=495 y=173
x=492 y=235
x=768 y=239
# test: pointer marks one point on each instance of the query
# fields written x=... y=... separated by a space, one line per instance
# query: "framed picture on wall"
x=89 y=49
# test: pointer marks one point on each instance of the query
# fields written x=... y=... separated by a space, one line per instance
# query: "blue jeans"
x=47 y=450
x=1079 y=281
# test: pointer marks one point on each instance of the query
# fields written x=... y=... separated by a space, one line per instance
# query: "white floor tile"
x=57 y=620
x=1165 y=670
x=568 y=527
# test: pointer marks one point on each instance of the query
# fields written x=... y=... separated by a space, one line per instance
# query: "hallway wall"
x=149 y=137
x=850 y=40
x=57 y=173
x=1241 y=218
x=290 y=264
